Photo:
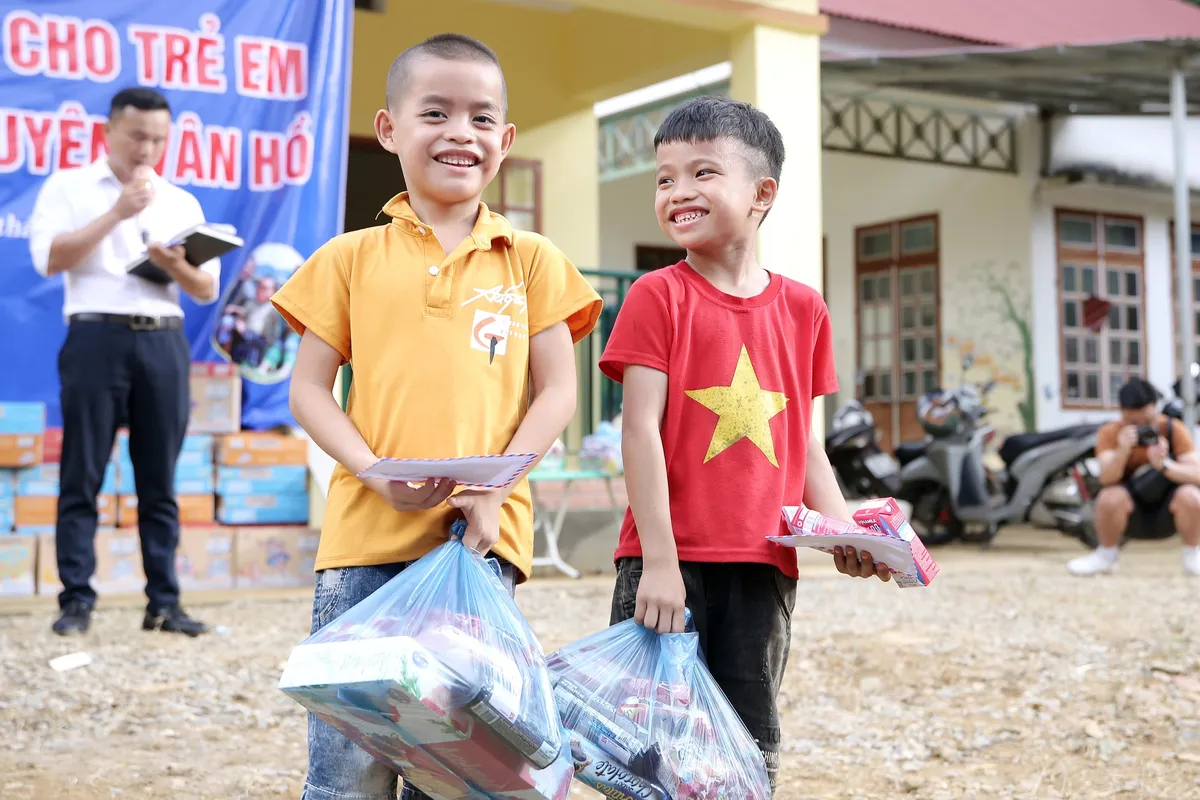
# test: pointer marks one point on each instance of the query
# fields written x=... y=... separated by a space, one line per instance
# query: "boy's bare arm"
x=555 y=390
x=661 y=594
x=821 y=492
x=552 y=373
x=313 y=406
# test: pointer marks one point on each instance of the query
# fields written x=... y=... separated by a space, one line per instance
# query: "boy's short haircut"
x=706 y=119
x=446 y=46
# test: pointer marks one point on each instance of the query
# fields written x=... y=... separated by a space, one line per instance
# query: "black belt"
x=135 y=322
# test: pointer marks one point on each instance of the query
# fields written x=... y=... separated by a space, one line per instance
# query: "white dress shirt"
x=72 y=198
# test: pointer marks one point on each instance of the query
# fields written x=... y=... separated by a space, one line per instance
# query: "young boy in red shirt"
x=720 y=361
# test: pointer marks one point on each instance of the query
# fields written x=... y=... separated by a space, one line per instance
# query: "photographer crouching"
x=1151 y=476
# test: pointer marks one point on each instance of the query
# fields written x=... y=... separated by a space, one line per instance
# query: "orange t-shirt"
x=418 y=327
x=1106 y=440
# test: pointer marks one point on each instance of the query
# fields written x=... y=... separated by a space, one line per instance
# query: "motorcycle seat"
x=907 y=452
x=839 y=438
x=1014 y=446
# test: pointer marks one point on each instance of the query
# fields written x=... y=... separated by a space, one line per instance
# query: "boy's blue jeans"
x=338 y=768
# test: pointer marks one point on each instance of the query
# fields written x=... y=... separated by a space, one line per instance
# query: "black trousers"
x=111 y=375
x=743 y=614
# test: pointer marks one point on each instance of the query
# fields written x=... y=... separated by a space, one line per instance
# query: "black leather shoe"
x=173 y=619
x=75 y=617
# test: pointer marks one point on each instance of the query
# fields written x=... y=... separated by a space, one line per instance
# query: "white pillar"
x=1183 y=248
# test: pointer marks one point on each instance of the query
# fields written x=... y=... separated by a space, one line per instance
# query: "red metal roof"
x=1029 y=23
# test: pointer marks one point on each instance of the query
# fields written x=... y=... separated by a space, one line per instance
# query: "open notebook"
x=201 y=243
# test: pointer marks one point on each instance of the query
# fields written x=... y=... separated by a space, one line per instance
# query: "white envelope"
x=488 y=472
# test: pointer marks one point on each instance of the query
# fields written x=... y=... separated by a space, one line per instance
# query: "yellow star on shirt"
x=744 y=411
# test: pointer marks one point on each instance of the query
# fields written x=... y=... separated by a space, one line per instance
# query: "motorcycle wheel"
x=932 y=518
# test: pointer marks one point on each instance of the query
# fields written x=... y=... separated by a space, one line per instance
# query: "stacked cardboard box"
x=18 y=559
x=17 y=552
x=262 y=479
x=271 y=556
x=8 y=493
x=22 y=433
x=194 y=482
x=216 y=393
x=118 y=563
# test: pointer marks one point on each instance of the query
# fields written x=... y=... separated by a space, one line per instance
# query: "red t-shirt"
x=741 y=377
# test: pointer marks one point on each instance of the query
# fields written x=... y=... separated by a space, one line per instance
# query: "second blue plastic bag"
x=439 y=675
x=645 y=719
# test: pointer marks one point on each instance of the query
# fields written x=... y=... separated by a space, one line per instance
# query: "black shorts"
x=1152 y=521
x=743 y=613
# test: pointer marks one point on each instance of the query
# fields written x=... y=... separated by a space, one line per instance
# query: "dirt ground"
x=1005 y=679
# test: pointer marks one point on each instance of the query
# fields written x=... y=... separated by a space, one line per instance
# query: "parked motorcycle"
x=1174 y=406
x=1049 y=477
x=863 y=469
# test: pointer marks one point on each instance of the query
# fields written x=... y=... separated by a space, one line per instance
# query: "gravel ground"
x=1006 y=679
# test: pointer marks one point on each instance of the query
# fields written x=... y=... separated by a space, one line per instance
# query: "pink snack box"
x=388 y=696
x=879 y=527
x=884 y=515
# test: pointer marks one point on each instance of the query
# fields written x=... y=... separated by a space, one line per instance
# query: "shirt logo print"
x=490 y=333
x=500 y=296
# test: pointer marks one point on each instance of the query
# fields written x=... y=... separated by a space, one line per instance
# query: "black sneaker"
x=173 y=619
x=75 y=617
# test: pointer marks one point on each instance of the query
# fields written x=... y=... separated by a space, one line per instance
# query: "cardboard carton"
x=52 y=446
x=205 y=558
x=198 y=444
x=20 y=449
x=42 y=480
x=127 y=516
x=18 y=566
x=275 y=556
x=194 y=478
x=7 y=500
x=278 y=509
x=262 y=450
x=884 y=515
x=194 y=509
x=48 y=583
x=22 y=418
x=216 y=392
x=34 y=511
x=118 y=562
x=197 y=509
x=262 y=480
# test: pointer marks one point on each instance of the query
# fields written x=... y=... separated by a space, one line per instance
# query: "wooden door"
x=898 y=325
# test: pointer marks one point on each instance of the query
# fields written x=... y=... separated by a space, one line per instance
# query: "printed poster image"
x=249 y=331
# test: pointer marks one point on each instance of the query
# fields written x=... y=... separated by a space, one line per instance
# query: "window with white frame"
x=1100 y=257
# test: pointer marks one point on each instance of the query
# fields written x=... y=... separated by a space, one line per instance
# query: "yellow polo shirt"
x=417 y=325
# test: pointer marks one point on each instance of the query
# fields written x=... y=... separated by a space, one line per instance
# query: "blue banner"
x=259 y=94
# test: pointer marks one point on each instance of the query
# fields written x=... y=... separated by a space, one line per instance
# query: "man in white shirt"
x=125 y=358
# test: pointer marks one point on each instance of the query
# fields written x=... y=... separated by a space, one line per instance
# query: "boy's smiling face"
x=448 y=128
x=709 y=192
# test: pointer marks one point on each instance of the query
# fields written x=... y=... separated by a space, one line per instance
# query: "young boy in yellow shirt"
x=445 y=364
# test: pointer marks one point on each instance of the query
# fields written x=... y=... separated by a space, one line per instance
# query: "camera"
x=1146 y=435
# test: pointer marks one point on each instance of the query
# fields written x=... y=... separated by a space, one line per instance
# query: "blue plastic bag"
x=439 y=675
x=645 y=719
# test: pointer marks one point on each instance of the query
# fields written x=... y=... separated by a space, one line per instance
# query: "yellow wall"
x=556 y=63
x=570 y=182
